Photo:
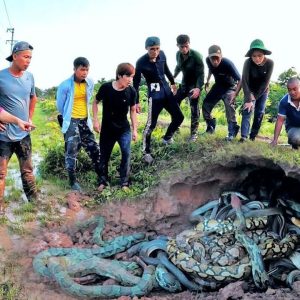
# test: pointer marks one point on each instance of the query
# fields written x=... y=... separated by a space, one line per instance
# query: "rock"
x=296 y=287
x=37 y=247
x=232 y=291
x=57 y=239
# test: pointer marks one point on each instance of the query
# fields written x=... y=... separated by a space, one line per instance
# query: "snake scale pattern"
x=234 y=239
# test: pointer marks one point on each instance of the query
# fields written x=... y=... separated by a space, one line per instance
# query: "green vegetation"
x=167 y=159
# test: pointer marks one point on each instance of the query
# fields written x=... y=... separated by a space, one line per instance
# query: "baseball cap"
x=214 y=50
x=19 y=46
x=152 y=41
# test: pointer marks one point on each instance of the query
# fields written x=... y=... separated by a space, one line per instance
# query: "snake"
x=233 y=239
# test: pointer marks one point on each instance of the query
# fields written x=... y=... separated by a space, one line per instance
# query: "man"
x=190 y=63
x=153 y=66
x=72 y=101
x=289 y=112
x=226 y=87
x=17 y=97
x=6 y=118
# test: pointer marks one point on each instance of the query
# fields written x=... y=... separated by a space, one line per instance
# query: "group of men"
x=18 y=99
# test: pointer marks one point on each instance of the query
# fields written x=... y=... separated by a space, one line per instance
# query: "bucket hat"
x=259 y=45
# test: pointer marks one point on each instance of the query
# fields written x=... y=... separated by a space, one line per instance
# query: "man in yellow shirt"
x=72 y=101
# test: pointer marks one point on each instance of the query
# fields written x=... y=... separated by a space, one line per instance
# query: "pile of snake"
x=233 y=239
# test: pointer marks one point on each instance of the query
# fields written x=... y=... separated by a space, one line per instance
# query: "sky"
x=109 y=32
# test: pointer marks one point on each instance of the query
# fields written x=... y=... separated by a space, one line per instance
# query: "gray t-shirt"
x=15 y=94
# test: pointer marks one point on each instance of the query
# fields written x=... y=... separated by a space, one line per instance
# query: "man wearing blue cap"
x=153 y=66
x=17 y=97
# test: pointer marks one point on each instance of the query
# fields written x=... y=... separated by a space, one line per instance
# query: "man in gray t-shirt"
x=17 y=97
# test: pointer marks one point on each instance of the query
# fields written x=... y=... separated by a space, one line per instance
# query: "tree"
x=286 y=75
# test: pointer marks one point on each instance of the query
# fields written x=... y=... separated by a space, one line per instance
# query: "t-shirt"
x=226 y=74
x=115 y=107
x=288 y=109
x=15 y=94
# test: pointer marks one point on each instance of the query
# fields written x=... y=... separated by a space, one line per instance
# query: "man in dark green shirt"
x=190 y=63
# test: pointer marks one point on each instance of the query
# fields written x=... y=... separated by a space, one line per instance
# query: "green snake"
x=230 y=242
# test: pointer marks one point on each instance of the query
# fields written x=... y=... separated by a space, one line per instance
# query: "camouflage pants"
x=23 y=150
x=79 y=135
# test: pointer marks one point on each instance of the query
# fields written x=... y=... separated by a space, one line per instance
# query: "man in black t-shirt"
x=117 y=98
x=227 y=82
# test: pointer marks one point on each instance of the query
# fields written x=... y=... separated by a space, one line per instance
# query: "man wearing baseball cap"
x=17 y=97
x=153 y=66
x=226 y=87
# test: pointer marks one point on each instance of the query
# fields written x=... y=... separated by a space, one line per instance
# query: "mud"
x=165 y=212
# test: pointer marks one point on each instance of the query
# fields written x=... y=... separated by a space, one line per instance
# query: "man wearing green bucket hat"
x=256 y=77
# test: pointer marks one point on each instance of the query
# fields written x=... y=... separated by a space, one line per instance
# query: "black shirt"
x=115 y=107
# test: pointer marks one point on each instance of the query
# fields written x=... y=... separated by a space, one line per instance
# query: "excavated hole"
x=167 y=211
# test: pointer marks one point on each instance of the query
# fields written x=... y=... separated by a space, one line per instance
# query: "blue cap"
x=19 y=46
x=152 y=41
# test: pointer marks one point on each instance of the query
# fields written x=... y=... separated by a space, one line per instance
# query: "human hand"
x=26 y=126
x=248 y=106
x=273 y=143
x=174 y=89
x=96 y=125
x=195 y=93
x=134 y=135
x=138 y=108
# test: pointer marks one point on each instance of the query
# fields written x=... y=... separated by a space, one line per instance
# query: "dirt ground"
x=164 y=212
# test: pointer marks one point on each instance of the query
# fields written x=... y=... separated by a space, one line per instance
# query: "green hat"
x=257 y=45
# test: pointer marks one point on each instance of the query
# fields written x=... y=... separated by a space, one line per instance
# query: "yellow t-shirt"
x=79 y=110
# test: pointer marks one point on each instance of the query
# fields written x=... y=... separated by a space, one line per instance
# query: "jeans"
x=107 y=142
x=195 y=110
x=294 y=136
x=259 y=111
x=79 y=135
x=158 y=101
x=212 y=98
x=23 y=150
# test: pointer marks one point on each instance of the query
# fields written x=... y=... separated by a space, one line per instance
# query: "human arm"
x=6 y=117
x=207 y=81
x=136 y=84
x=96 y=123
x=61 y=97
x=199 y=73
x=236 y=92
x=33 y=100
x=171 y=78
x=264 y=85
x=278 y=126
x=133 y=119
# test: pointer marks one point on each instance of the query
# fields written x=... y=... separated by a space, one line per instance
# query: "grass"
x=180 y=155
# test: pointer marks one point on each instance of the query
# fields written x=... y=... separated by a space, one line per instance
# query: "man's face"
x=153 y=51
x=126 y=80
x=294 y=90
x=184 y=48
x=81 y=73
x=22 y=59
x=215 y=60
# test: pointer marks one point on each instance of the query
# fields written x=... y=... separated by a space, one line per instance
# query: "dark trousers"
x=259 y=111
x=23 y=150
x=194 y=105
x=155 y=106
x=79 y=135
x=107 y=142
x=212 y=98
